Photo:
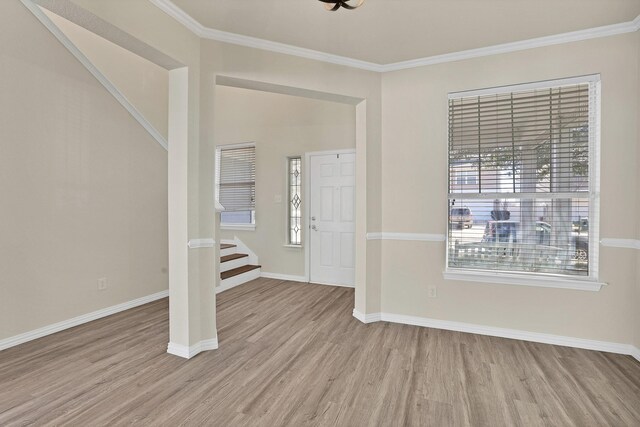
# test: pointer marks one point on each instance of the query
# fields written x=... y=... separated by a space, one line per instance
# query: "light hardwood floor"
x=292 y=354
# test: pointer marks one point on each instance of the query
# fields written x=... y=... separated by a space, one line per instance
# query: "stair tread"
x=232 y=257
x=227 y=245
x=237 y=271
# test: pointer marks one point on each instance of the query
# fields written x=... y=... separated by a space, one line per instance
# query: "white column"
x=191 y=267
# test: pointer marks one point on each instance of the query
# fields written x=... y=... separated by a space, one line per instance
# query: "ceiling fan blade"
x=334 y=5
x=347 y=6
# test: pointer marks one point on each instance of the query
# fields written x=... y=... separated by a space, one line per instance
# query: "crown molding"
x=200 y=30
x=170 y=8
x=574 y=36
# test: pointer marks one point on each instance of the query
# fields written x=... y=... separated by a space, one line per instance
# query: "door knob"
x=313 y=227
x=313 y=218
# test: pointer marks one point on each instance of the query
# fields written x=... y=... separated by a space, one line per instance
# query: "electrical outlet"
x=432 y=292
x=102 y=284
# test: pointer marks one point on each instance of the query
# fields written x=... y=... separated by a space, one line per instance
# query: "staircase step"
x=231 y=257
x=231 y=261
x=237 y=271
x=228 y=249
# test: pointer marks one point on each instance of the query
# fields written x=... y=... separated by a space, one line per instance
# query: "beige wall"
x=401 y=172
x=281 y=126
x=191 y=205
x=221 y=59
x=143 y=83
x=414 y=193
x=83 y=186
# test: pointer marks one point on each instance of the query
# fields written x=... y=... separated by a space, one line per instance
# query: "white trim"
x=339 y=285
x=523 y=280
x=234 y=263
x=238 y=227
x=523 y=87
x=238 y=280
x=180 y=15
x=470 y=328
x=189 y=352
x=423 y=237
x=531 y=279
x=79 y=320
x=621 y=243
x=367 y=318
x=201 y=243
x=292 y=246
x=200 y=30
x=111 y=88
x=570 y=37
x=287 y=277
x=236 y=145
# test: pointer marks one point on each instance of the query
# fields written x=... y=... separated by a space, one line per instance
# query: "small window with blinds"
x=236 y=183
x=523 y=180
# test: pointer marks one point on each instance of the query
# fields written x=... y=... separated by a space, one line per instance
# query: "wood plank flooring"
x=292 y=354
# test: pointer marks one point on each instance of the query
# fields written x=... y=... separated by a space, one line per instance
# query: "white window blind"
x=236 y=183
x=523 y=182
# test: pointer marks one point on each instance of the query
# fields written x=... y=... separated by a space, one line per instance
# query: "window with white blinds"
x=236 y=183
x=523 y=179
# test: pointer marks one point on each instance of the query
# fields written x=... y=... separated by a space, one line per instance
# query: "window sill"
x=293 y=246
x=238 y=227
x=522 y=280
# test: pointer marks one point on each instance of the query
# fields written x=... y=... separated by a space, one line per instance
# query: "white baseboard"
x=238 y=280
x=288 y=277
x=315 y=282
x=610 y=347
x=189 y=352
x=301 y=279
x=366 y=318
x=66 y=324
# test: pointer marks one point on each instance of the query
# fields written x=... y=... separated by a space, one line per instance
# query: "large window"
x=294 y=227
x=523 y=180
x=236 y=184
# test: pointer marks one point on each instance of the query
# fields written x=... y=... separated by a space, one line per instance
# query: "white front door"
x=332 y=218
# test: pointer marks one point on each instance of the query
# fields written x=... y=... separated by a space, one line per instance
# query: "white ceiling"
x=388 y=31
